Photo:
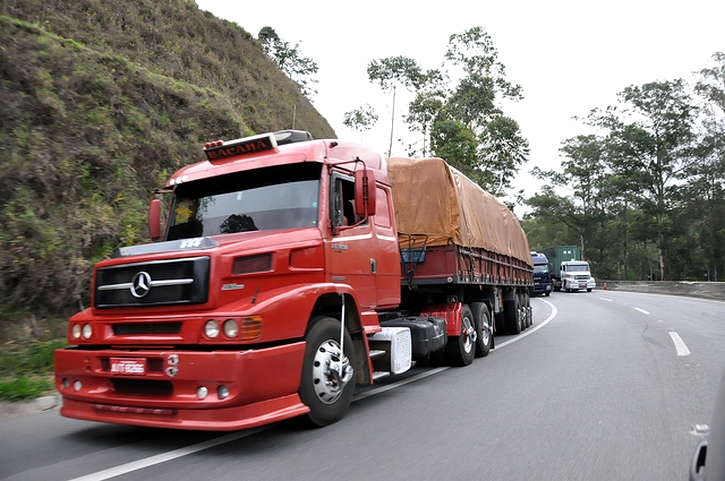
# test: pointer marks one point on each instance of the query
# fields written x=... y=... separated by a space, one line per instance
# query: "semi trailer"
x=283 y=272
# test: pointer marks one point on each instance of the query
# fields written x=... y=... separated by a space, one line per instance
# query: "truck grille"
x=581 y=277
x=184 y=281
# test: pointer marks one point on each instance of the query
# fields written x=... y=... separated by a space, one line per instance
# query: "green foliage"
x=361 y=119
x=453 y=141
x=646 y=195
x=444 y=109
x=18 y=389
x=392 y=72
x=289 y=59
x=101 y=102
x=27 y=358
x=26 y=369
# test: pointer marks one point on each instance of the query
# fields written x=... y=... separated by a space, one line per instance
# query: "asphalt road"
x=605 y=386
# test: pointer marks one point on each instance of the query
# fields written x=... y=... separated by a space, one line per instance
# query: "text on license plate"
x=135 y=367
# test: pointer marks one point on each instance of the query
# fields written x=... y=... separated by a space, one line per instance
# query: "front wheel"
x=328 y=380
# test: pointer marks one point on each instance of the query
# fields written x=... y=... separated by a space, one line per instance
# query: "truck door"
x=352 y=248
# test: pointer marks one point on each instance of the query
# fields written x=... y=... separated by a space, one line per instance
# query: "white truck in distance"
x=575 y=276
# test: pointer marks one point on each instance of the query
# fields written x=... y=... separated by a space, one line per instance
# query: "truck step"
x=376 y=353
x=379 y=374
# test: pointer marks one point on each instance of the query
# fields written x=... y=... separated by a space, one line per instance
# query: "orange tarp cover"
x=433 y=199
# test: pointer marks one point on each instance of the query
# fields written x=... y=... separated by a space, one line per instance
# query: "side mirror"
x=155 y=219
x=365 y=200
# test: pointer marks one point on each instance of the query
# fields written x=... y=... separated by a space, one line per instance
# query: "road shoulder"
x=21 y=408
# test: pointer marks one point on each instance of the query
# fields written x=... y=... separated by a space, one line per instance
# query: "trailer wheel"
x=484 y=328
x=328 y=380
x=461 y=349
x=522 y=312
x=512 y=314
x=526 y=309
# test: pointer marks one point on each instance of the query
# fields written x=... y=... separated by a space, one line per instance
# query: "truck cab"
x=542 y=277
x=575 y=276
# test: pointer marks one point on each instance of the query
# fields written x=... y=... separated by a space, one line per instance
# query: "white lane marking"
x=195 y=448
x=641 y=310
x=679 y=344
x=393 y=385
x=605 y=299
x=388 y=387
x=532 y=330
x=162 y=458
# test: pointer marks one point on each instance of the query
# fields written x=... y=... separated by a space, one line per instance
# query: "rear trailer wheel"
x=512 y=314
x=461 y=349
x=522 y=312
x=328 y=380
x=484 y=328
x=526 y=309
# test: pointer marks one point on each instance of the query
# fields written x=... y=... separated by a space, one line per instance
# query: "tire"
x=547 y=294
x=461 y=349
x=500 y=322
x=589 y=290
x=528 y=311
x=484 y=328
x=512 y=313
x=327 y=403
x=523 y=312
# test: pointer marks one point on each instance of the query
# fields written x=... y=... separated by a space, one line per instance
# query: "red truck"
x=287 y=271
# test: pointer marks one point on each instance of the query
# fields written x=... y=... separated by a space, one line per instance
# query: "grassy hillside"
x=100 y=102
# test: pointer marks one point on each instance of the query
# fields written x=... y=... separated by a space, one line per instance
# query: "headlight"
x=87 y=331
x=231 y=328
x=76 y=331
x=211 y=329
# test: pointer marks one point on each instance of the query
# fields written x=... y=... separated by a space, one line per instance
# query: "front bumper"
x=262 y=387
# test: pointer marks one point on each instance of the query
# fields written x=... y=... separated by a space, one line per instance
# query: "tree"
x=502 y=148
x=484 y=79
x=491 y=146
x=289 y=60
x=361 y=119
x=391 y=72
x=426 y=106
x=650 y=143
x=706 y=191
x=453 y=141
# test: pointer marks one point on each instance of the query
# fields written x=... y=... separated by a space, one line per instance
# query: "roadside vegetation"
x=26 y=369
x=644 y=195
x=101 y=102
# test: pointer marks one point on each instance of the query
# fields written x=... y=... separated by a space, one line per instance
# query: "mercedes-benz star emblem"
x=141 y=284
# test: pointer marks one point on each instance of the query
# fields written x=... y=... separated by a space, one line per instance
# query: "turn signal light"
x=251 y=328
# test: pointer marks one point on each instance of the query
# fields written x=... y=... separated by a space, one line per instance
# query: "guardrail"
x=705 y=290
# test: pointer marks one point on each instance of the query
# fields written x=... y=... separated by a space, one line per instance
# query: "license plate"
x=133 y=367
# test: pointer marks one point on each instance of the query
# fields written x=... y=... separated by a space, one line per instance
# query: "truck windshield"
x=578 y=267
x=541 y=268
x=273 y=198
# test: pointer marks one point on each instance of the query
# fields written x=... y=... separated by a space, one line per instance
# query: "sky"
x=569 y=56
